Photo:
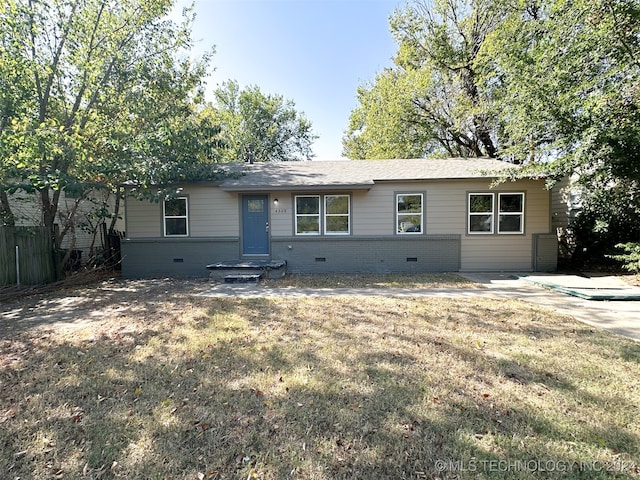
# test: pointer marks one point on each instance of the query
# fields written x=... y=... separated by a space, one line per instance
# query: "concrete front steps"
x=246 y=271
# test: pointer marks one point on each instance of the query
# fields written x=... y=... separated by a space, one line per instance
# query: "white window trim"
x=491 y=213
x=398 y=214
x=495 y=213
x=297 y=215
x=520 y=214
x=165 y=217
x=348 y=214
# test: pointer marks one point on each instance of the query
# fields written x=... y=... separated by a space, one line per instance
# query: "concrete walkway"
x=622 y=317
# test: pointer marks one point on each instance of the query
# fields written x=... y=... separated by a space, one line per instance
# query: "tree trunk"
x=116 y=210
x=49 y=209
x=482 y=132
x=6 y=215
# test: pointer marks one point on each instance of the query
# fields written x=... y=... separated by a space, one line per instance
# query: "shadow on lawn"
x=82 y=307
x=257 y=389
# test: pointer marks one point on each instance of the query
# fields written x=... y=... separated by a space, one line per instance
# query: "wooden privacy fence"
x=35 y=258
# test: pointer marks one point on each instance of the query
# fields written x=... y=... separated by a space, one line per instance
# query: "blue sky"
x=314 y=52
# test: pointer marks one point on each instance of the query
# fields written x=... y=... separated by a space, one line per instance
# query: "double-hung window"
x=308 y=215
x=175 y=212
x=409 y=213
x=484 y=213
x=336 y=214
x=481 y=213
x=330 y=214
x=511 y=213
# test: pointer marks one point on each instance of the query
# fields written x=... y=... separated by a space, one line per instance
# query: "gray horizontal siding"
x=375 y=254
x=155 y=257
x=212 y=213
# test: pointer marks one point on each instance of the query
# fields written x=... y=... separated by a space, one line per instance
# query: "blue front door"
x=255 y=225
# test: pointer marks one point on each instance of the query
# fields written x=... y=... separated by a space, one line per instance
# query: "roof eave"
x=296 y=187
x=437 y=179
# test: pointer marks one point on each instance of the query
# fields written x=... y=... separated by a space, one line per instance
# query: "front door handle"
x=266 y=227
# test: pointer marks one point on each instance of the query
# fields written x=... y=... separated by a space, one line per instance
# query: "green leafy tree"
x=552 y=84
x=564 y=77
x=259 y=127
x=388 y=123
x=631 y=257
x=93 y=93
x=429 y=102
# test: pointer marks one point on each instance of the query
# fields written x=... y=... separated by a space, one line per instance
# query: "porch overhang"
x=296 y=187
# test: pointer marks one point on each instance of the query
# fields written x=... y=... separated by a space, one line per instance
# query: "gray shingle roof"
x=355 y=174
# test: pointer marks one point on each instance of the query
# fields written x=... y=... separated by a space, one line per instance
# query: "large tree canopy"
x=564 y=77
x=92 y=93
x=259 y=127
x=551 y=84
x=429 y=102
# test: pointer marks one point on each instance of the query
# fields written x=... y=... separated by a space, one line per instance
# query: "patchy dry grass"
x=170 y=386
x=422 y=280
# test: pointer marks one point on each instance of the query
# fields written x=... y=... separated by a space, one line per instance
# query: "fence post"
x=17 y=265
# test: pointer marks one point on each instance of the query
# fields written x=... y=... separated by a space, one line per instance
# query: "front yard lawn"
x=175 y=386
x=426 y=280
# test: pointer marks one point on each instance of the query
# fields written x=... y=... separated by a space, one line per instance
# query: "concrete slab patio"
x=589 y=287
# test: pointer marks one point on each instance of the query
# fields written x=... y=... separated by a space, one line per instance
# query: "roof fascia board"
x=296 y=187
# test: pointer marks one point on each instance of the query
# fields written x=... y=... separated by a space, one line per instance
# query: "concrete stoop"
x=246 y=271
x=243 y=278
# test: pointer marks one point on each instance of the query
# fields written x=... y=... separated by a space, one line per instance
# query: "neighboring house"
x=566 y=202
x=85 y=233
x=376 y=216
